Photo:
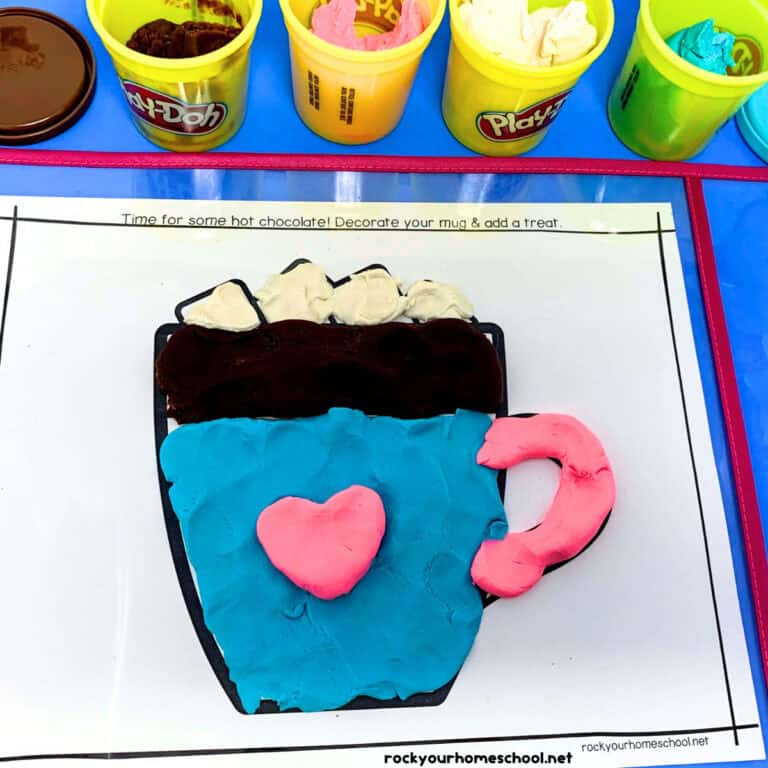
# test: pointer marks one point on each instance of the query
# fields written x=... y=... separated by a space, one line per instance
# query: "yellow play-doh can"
x=187 y=105
x=350 y=96
x=496 y=107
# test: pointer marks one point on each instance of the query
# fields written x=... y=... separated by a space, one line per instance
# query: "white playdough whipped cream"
x=370 y=297
x=227 y=308
x=546 y=37
x=426 y=300
x=304 y=293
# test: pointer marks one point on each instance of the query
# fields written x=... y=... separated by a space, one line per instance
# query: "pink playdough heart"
x=324 y=548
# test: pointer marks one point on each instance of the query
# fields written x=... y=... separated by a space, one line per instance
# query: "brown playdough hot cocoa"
x=167 y=40
x=298 y=368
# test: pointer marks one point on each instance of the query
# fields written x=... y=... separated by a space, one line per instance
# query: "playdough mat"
x=633 y=654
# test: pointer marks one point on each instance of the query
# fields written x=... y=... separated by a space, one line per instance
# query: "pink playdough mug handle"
x=510 y=566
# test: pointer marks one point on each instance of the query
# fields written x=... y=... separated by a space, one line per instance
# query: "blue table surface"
x=738 y=211
x=581 y=130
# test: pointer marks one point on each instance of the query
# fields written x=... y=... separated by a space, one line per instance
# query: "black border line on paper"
x=9 y=274
x=73 y=222
x=373 y=745
x=665 y=278
x=733 y=727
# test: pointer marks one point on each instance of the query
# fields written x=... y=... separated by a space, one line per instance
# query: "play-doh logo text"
x=748 y=56
x=513 y=126
x=171 y=114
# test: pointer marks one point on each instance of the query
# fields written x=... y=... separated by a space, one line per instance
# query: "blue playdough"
x=704 y=47
x=409 y=623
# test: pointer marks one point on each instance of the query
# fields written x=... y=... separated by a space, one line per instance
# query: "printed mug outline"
x=176 y=540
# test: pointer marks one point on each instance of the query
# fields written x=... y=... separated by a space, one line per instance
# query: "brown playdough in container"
x=167 y=40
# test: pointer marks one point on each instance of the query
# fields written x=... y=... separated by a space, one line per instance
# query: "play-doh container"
x=350 y=96
x=191 y=104
x=497 y=107
x=664 y=108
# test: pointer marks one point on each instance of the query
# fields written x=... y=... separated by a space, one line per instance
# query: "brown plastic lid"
x=47 y=75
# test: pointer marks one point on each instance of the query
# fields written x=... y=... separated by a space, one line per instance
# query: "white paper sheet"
x=614 y=659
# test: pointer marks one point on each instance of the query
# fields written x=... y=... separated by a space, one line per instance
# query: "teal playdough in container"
x=704 y=47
